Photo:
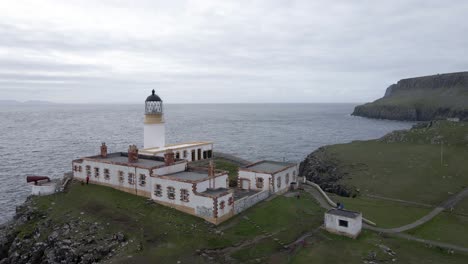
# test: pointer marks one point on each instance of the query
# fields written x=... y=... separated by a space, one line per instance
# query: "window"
x=142 y=180
x=131 y=178
x=199 y=154
x=184 y=195
x=222 y=205
x=287 y=178
x=75 y=168
x=79 y=168
x=106 y=174
x=171 y=193
x=88 y=170
x=158 y=190
x=96 y=172
x=231 y=200
x=278 y=182
x=185 y=154
x=121 y=176
x=259 y=183
x=343 y=223
x=177 y=155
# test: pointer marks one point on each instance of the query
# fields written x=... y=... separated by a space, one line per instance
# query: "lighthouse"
x=155 y=130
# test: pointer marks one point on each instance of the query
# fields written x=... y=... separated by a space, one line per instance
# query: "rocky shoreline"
x=31 y=237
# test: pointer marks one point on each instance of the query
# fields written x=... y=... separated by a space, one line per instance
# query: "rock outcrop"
x=31 y=237
x=425 y=98
x=320 y=167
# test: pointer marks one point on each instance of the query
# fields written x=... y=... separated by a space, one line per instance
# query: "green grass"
x=232 y=168
x=335 y=249
x=447 y=227
x=462 y=207
x=387 y=214
x=167 y=235
x=405 y=171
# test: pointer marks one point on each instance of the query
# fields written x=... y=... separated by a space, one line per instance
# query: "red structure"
x=35 y=179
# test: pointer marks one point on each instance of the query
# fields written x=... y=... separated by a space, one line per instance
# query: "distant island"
x=424 y=98
x=30 y=102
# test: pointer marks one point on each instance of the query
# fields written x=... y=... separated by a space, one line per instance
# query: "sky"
x=224 y=51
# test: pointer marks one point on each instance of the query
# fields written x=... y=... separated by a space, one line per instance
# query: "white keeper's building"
x=161 y=172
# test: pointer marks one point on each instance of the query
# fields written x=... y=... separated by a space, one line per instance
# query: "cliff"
x=425 y=98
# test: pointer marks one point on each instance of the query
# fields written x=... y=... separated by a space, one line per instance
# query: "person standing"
x=87 y=180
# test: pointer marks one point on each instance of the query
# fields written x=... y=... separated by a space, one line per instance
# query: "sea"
x=44 y=139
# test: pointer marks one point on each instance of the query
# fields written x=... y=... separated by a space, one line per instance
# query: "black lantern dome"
x=153 y=105
x=153 y=98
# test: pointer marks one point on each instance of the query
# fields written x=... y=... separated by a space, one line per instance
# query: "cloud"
x=224 y=51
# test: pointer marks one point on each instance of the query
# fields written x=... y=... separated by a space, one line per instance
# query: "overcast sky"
x=224 y=51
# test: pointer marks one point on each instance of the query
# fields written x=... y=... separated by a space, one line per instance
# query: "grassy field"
x=406 y=171
x=412 y=170
x=167 y=236
x=446 y=227
x=378 y=210
x=334 y=249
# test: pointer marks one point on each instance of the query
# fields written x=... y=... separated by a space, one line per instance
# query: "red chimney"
x=169 y=157
x=132 y=153
x=103 y=150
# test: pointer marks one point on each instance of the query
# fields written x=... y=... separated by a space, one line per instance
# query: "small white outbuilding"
x=343 y=222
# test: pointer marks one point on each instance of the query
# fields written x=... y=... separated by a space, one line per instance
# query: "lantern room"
x=153 y=105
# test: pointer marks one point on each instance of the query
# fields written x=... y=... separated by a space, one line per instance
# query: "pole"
x=441 y=153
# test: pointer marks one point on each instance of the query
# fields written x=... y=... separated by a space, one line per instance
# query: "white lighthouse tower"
x=155 y=130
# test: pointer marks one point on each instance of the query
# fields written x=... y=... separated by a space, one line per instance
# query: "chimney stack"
x=211 y=169
x=132 y=153
x=169 y=157
x=103 y=150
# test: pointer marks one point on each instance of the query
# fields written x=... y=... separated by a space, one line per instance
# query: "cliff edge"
x=424 y=98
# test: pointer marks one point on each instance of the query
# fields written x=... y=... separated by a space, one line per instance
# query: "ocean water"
x=43 y=140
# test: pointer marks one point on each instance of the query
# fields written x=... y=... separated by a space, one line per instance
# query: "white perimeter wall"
x=154 y=135
x=249 y=201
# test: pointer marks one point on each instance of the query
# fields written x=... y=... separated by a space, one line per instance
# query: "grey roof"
x=117 y=157
x=241 y=193
x=269 y=166
x=153 y=97
x=189 y=175
x=215 y=192
x=344 y=213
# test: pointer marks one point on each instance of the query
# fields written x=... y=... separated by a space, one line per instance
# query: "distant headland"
x=424 y=98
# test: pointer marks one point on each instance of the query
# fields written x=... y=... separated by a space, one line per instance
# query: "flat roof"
x=241 y=193
x=188 y=175
x=269 y=166
x=342 y=212
x=118 y=157
x=215 y=192
x=175 y=147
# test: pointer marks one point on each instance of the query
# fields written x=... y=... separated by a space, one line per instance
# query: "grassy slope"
x=378 y=210
x=168 y=236
x=335 y=249
x=412 y=171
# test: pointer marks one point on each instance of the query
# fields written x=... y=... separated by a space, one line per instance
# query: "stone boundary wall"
x=249 y=201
